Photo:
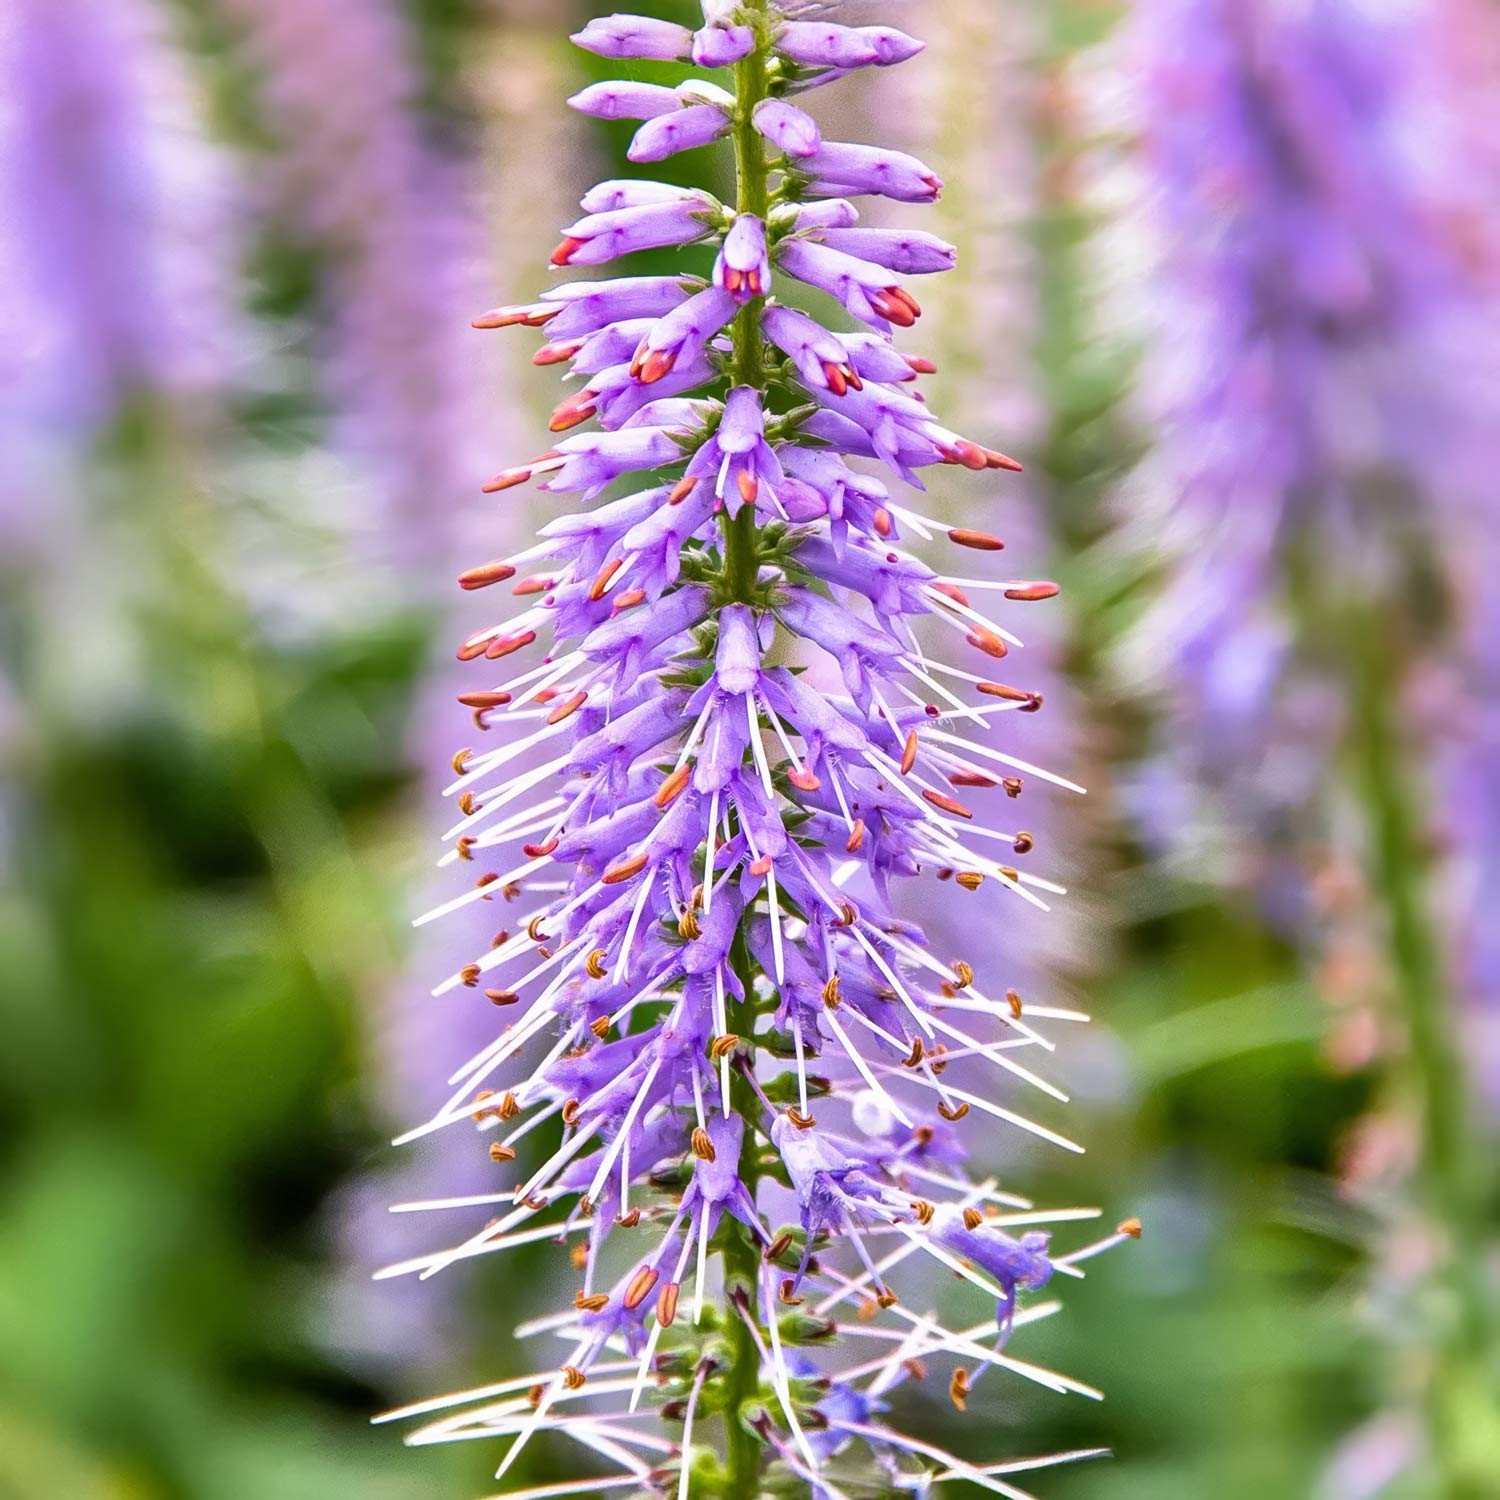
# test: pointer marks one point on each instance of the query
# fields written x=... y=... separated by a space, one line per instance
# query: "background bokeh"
x=1229 y=280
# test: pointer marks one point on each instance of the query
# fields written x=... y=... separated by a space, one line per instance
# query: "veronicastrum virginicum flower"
x=748 y=1076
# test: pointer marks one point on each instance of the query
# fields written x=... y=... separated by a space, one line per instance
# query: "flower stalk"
x=733 y=1073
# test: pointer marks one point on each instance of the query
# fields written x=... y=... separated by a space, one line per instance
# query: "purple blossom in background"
x=735 y=733
x=116 y=236
x=1313 y=383
x=358 y=181
x=1321 y=380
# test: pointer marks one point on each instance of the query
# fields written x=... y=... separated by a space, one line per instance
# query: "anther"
x=591 y=1302
x=668 y=792
x=909 y=753
x=972 y=1218
x=682 y=489
x=800 y=1120
x=666 y=1304
x=803 y=779
x=988 y=642
x=481 y=701
x=628 y=600
x=1030 y=592
x=469 y=975
x=541 y=851
x=626 y=870
x=923 y=1210
x=568 y=707
x=779 y=1246
x=571 y=1110
x=642 y=1283
x=483 y=576
x=970 y=880
x=722 y=1046
x=832 y=992
x=1013 y=1000
x=501 y=997
x=915 y=1056
x=703 y=1146
x=1005 y=691
x=963 y=974
x=594 y=968
x=944 y=803
x=1024 y=843
x=1012 y=785
x=573 y=1377
x=955 y=1112
x=603 y=576
x=856 y=837
x=506 y=644
x=786 y=1293
x=464 y=847
x=534 y=930
x=508 y=1109
x=499 y=1151
x=958 y=1389
x=630 y=1220
x=1131 y=1227
x=460 y=761
x=980 y=541
x=971 y=778
x=600 y=1027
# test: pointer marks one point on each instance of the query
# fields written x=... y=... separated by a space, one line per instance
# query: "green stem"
x=741 y=553
x=743 y=1451
x=1449 y=1181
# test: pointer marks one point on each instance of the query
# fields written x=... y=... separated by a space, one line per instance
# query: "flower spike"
x=728 y=1070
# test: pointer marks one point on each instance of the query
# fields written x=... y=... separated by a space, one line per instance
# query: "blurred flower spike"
x=744 y=733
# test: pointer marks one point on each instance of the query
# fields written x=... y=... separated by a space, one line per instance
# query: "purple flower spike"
x=744 y=265
x=666 y=135
x=735 y=1069
x=620 y=36
x=786 y=126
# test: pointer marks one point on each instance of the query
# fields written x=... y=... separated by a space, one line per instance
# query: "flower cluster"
x=743 y=734
x=358 y=182
x=1314 y=385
